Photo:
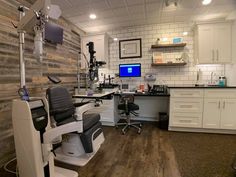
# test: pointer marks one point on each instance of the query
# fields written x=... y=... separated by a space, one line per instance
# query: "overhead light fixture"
x=185 y=33
x=115 y=39
x=206 y=2
x=92 y=16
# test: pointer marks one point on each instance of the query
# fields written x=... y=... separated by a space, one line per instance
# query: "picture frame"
x=130 y=48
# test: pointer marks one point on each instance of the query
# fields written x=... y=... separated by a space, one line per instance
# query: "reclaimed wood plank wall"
x=60 y=60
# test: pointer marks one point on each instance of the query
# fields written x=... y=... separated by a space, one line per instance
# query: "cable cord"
x=10 y=171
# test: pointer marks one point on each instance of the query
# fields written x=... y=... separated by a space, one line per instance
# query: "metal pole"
x=78 y=72
x=21 y=51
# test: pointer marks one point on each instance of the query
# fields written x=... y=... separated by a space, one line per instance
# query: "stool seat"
x=131 y=107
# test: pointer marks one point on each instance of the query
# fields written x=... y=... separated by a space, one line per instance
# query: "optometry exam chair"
x=79 y=147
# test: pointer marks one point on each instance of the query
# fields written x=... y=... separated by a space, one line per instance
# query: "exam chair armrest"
x=82 y=109
x=80 y=104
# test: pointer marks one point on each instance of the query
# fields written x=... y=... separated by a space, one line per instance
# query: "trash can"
x=163 y=121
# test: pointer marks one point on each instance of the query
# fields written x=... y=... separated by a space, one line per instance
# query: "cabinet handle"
x=188 y=94
x=224 y=104
x=213 y=55
x=186 y=121
x=217 y=54
x=219 y=105
x=186 y=106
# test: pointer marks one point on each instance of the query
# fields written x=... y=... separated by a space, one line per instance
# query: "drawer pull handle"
x=186 y=106
x=189 y=94
x=187 y=121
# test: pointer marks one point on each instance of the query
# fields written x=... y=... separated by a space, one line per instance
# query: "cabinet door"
x=211 y=113
x=222 y=38
x=205 y=44
x=228 y=114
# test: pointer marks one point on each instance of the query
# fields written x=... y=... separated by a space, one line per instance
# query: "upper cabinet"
x=213 y=43
x=100 y=46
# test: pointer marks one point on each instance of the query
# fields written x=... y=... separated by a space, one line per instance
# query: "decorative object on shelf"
x=157 y=57
x=177 y=40
x=157 y=41
x=130 y=48
x=185 y=57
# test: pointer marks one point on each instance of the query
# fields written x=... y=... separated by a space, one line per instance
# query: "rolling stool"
x=128 y=107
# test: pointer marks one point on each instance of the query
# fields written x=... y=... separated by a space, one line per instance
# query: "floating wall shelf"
x=168 y=64
x=168 y=45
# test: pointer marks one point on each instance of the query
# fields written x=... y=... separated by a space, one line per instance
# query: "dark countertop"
x=200 y=87
x=143 y=94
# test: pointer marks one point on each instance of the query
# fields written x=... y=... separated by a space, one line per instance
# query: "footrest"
x=89 y=136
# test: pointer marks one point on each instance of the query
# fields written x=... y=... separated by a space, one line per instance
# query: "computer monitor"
x=53 y=33
x=130 y=70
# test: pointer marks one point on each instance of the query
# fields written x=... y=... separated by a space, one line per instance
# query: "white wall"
x=183 y=75
x=231 y=69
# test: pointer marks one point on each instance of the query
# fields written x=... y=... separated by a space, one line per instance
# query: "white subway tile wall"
x=183 y=75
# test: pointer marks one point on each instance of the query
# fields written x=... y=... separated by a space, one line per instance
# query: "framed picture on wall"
x=130 y=48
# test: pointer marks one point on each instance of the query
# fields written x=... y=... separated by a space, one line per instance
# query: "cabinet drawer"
x=192 y=120
x=220 y=93
x=186 y=104
x=185 y=93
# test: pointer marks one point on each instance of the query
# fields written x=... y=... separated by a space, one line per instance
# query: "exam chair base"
x=61 y=172
x=127 y=125
x=83 y=158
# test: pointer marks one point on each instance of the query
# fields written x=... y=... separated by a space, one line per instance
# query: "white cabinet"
x=219 y=113
x=186 y=106
x=100 y=46
x=205 y=44
x=214 y=43
x=203 y=110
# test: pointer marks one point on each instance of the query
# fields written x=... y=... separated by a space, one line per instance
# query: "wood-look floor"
x=155 y=153
x=132 y=155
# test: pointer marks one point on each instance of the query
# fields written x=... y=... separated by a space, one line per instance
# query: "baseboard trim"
x=202 y=130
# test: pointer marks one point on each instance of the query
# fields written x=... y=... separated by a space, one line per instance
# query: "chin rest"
x=64 y=111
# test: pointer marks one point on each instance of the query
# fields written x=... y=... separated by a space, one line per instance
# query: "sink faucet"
x=212 y=74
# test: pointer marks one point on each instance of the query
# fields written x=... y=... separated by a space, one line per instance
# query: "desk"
x=106 y=108
x=149 y=105
x=94 y=96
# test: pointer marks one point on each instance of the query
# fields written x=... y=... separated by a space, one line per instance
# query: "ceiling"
x=113 y=14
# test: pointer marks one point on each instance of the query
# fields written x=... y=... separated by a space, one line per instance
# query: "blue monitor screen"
x=130 y=70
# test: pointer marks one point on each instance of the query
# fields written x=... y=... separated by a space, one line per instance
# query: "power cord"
x=10 y=171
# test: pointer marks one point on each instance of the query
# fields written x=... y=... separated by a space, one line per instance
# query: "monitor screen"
x=53 y=33
x=130 y=70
